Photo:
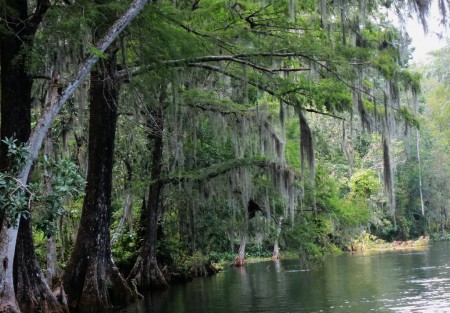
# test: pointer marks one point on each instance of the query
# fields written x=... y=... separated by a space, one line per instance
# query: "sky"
x=425 y=43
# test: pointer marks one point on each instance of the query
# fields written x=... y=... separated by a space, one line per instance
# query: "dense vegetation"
x=208 y=131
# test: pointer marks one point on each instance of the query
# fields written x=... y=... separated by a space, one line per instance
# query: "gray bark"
x=8 y=233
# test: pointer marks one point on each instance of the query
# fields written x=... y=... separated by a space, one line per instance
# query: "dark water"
x=401 y=281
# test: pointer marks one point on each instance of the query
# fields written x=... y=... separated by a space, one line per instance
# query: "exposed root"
x=61 y=296
x=206 y=269
x=8 y=306
x=147 y=275
x=32 y=291
x=103 y=288
x=238 y=262
x=120 y=292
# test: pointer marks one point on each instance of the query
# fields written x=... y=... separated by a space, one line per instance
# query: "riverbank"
x=368 y=242
x=364 y=243
x=200 y=266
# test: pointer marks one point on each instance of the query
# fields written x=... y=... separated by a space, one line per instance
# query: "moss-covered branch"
x=207 y=173
x=260 y=87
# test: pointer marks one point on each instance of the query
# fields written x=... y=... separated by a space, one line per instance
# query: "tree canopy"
x=206 y=129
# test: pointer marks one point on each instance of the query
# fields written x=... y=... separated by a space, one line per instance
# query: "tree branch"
x=237 y=58
x=261 y=87
x=222 y=43
x=299 y=69
x=216 y=170
x=41 y=8
x=58 y=100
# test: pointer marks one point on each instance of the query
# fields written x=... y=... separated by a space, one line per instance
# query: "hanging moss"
x=407 y=116
x=388 y=175
x=422 y=7
x=362 y=111
x=306 y=145
x=410 y=81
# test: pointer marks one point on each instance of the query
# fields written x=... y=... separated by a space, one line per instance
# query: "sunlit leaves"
x=364 y=184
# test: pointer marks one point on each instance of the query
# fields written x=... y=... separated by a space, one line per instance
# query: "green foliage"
x=184 y=263
x=14 y=196
x=99 y=54
x=321 y=70
x=309 y=237
x=254 y=251
x=222 y=257
x=125 y=250
x=408 y=117
x=40 y=246
x=386 y=64
x=345 y=210
x=171 y=252
x=367 y=241
x=13 y=200
x=18 y=154
x=212 y=230
x=349 y=214
x=208 y=100
x=364 y=184
x=411 y=80
x=332 y=96
x=66 y=179
x=65 y=183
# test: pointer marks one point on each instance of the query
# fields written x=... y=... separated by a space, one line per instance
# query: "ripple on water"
x=429 y=280
x=297 y=271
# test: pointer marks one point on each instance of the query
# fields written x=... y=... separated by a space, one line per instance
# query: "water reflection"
x=408 y=281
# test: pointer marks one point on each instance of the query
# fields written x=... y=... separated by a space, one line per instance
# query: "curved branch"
x=41 y=8
x=58 y=100
x=213 y=171
x=261 y=87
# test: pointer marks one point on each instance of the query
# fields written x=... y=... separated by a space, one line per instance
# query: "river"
x=393 y=281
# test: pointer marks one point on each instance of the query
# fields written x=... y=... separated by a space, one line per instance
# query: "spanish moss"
x=306 y=145
x=388 y=175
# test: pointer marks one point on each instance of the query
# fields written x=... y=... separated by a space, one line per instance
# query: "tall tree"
x=91 y=278
x=146 y=271
x=16 y=44
x=18 y=20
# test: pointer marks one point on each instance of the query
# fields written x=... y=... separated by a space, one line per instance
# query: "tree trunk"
x=276 y=248
x=15 y=81
x=92 y=281
x=240 y=259
x=11 y=79
x=192 y=231
x=52 y=261
x=15 y=122
x=146 y=271
x=32 y=290
x=443 y=220
x=8 y=302
x=183 y=224
x=16 y=245
x=422 y=206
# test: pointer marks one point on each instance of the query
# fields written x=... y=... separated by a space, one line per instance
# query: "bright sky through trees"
x=424 y=43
